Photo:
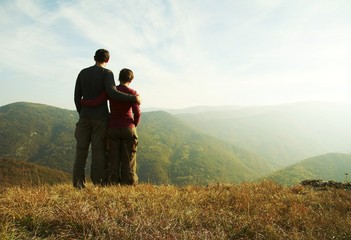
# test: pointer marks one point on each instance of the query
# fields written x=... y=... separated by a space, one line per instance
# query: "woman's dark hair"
x=102 y=55
x=126 y=75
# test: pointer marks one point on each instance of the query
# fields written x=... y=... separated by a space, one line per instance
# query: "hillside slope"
x=284 y=133
x=172 y=152
x=20 y=173
x=169 y=151
x=331 y=166
x=38 y=133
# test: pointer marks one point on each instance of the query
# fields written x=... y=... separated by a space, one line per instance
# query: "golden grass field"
x=263 y=210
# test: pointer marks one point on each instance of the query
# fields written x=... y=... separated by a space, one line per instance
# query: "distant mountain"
x=20 y=173
x=283 y=134
x=169 y=150
x=172 y=152
x=331 y=166
x=194 y=109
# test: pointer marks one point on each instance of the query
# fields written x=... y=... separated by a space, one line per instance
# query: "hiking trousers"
x=88 y=132
x=123 y=144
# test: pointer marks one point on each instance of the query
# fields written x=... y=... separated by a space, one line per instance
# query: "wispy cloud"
x=182 y=52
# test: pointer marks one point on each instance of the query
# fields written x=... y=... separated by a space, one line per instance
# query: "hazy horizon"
x=183 y=53
x=198 y=108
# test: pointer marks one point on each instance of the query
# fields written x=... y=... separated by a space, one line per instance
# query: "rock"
x=318 y=184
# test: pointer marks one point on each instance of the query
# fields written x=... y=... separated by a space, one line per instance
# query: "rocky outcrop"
x=323 y=185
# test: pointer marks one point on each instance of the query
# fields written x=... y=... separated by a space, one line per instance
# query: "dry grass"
x=262 y=210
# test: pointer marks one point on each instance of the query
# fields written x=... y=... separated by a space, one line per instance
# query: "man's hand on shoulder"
x=138 y=99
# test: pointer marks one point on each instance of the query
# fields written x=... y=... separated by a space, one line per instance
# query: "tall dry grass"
x=262 y=210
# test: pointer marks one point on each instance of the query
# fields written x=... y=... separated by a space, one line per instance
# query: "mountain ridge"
x=169 y=150
x=284 y=133
x=176 y=149
x=326 y=167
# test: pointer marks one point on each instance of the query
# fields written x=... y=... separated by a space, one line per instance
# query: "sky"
x=183 y=53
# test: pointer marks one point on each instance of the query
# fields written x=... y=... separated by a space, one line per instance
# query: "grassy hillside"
x=285 y=133
x=331 y=166
x=247 y=211
x=169 y=150
x=20 y=173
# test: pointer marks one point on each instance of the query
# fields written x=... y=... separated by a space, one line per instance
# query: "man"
x=92 y=125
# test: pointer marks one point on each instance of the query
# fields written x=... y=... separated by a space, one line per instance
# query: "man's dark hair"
x=126 y=75
x=102 y=55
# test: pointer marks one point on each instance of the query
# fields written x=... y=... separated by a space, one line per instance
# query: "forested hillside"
x=38 y=133
x=326 y=167
x=284 y=134
x=174 y=153
x=169 y=150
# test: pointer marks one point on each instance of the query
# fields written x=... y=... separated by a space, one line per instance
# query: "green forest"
x=190 y=148
x=326 y=167
x=169 y=151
